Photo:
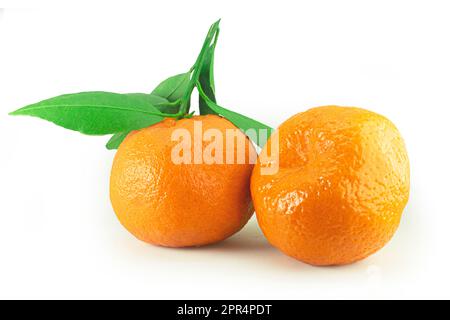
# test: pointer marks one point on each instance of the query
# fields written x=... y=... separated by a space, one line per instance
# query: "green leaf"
x=206 y=80
x=116 y=140
x=96 y=113
x=244 y=123
x=173 y=88
x=199 y=62
x=206 y=77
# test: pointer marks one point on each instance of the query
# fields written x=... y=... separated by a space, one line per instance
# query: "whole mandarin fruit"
x=177 y=205
x=341 y=186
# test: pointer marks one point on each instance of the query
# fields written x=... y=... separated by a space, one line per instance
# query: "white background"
x=59 y=237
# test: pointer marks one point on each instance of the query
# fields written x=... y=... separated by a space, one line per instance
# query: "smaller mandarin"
x=341 y=187
x=177 y=204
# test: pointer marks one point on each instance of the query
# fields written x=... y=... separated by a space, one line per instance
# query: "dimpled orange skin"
x=178 y=205
x=342 y=184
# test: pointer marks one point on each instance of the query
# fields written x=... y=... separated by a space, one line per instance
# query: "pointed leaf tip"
x=96 y=113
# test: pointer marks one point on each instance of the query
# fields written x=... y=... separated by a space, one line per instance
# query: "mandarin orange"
x=341 y=186
x=179 y=204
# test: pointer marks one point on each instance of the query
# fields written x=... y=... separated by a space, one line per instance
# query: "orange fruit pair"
x=337 y=197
